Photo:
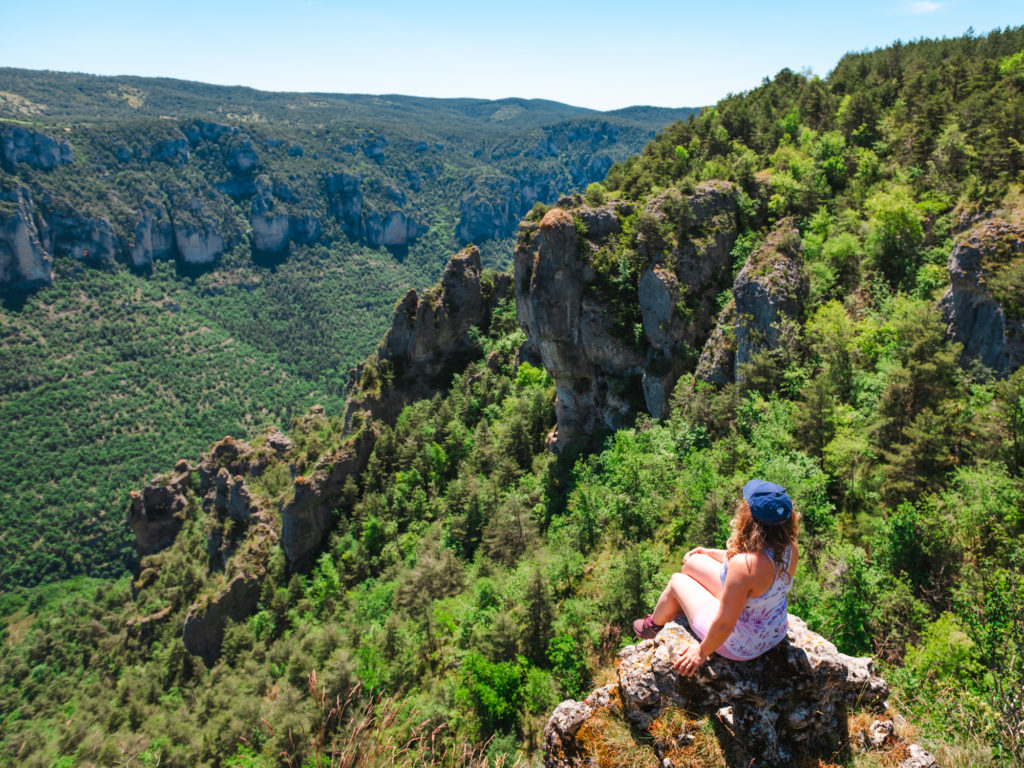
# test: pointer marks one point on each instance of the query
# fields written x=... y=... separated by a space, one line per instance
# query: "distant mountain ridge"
x=126 y=95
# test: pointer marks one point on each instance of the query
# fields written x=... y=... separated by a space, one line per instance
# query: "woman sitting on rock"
x=735 y=599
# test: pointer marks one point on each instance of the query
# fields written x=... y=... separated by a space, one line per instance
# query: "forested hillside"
x=180 y=262
x=857 y=337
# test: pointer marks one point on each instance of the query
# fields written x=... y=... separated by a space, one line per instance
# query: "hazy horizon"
x=594 y=56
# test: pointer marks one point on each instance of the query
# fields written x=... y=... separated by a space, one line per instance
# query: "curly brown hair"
x=751 y=535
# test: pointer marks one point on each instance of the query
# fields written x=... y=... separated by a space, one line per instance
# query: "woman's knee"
x=699 y=562
x=678 y=581
x=705 y=570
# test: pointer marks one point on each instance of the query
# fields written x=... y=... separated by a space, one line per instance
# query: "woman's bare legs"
x=688 y=591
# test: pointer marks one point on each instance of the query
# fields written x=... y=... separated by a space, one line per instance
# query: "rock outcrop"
x=275 y=226
x=171 y=151
x=154 y=236
x=157 y=512
x=605 y=367
x=205 y=622
x=37 y=150
x=717 y=363
x=770 y=289
x=345 y=200
x=24 y=262
x=308 y=517
x=197 y=243
x=84 y=238
x=983 y=305
x=428 y=340
x=791 y=702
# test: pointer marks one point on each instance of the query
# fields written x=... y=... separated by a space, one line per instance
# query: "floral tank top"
x=763 y=623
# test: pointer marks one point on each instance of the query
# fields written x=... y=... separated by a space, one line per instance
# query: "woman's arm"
x=717 y=554
x=734 y=596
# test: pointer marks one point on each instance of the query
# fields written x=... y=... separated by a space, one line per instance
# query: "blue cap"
x=769 y=503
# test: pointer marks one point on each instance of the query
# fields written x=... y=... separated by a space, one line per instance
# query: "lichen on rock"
x=791 y=702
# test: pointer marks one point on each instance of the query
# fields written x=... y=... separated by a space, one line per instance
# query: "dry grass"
x=691 y=741
x=688 y=740
x=375 y=733
x=17 y=627
x=610 y=743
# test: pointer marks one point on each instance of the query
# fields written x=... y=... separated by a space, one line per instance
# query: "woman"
x=735 y=599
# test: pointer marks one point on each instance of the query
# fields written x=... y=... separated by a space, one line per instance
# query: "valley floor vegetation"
x=474 y=579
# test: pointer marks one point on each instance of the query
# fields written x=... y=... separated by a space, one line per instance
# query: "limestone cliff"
x=983 y=305
x=393 y=228
x=35 y=149
x=157 y=512
x=244 y=519
x=24 y=262
x=274 y=492
x=153 y=236
x=788 y=704
x=277 y=222
x=770 y=289
x=428 y=340
x=571 y=306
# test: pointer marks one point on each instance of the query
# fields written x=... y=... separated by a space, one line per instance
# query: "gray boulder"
x=791 y=702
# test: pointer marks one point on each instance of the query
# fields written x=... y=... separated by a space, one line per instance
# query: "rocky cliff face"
x=308 y=517
x=83 y=238
x=157 y=512
x=205 y=622
x=246 y=516
x=35 y=149
x=24 y=261
x=770 y=289
x=492 y=206
x=276 y=222
x=791 y=703
x=604 y=372
x=428 y=340
x=394 y=228
x=983 y=305
x=197 y=243
x=153 y=236
x=244 y=524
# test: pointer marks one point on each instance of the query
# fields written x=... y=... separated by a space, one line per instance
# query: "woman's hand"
x=690 y=661
x=694 y=551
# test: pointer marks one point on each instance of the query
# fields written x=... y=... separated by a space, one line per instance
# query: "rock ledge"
x=790 y=702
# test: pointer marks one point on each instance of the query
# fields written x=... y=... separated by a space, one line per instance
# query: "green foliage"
x=494 y=689
x=480 y=577
x=595 y=194
x=945 y=653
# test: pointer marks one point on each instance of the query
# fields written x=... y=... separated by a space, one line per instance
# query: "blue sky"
x=599 y=54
